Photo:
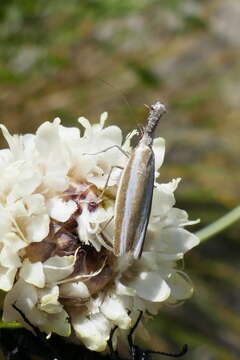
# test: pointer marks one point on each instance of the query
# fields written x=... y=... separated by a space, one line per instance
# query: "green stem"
x=219 y=225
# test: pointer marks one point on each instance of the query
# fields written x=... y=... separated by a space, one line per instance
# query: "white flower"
x=56 y=234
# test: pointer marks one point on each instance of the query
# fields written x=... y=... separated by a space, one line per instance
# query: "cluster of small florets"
x=56 y=235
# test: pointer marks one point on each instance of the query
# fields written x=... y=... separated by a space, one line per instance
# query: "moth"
x=135 y=191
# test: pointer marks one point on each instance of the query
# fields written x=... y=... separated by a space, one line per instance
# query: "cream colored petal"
x=159 y=151
x=57 y=268
x=99 y=216
x=124 y=290
x=35 y=204
x=93 y=332
x=164 y=257
x=7 y=277
x=9 y=257
x=33 y=273
x=170 y=241
x=84 y=122
x=49 y=300
x=24 y=296
x=74 y=290
x=103 y=119
x=30 y=153
x=29 y=179
x=5 y=222
x=163 y=199
x=150 y=286
x=47 y=139
x=94 y=304
x=154 y=261
x=53 y=156
x=178 y=217
x=51 y=323
x=14 y=142
x=181 y=286
x=37 y=228
x=5 y=158
x=13 y=241
x=83 y=164
x=113 y=308
x=69 y=134
x=112 y=133
x=57 y=323
x=145 y=305
x=61 y=210
x=56 y=178
x=17 y=209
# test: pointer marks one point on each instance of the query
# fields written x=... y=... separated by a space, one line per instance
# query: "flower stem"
x=219 y=225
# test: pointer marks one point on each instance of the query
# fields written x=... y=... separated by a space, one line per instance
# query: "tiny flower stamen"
x=92 y=206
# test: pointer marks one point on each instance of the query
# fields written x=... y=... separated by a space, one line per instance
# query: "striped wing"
x=145 y=210
x=133 y=202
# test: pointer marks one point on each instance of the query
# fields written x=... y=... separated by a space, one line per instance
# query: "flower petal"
x=178 y=217
x=181 y=286
x=14 y=242
x=57 y=268
x=61 y=210
x=38 y=227
x=35 y=204
x=114 y=309
x=24 y=296
x=49 y=300
x=33 y=273
x=124 y=290
x=5 y=221
x=150 y=286
x=53 y=156
x=7 y=277
x=9 y=257
x=57 y=323
x=103 y=119
x=94 y=331
x=172 y=241
x=69 y=134
x=74 y=290
x=163 y=198
x=159 y=151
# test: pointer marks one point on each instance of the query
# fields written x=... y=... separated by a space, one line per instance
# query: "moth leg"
x=104 y=241
x=35 y=329
x=113 y=353
x=130 y=335
x=109 y=148
x=107 y=223
x=135 y=350
x=108 y=178
x=175 y=355
x=37 y=332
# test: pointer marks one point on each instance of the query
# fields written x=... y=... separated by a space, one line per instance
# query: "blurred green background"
x=71 y=58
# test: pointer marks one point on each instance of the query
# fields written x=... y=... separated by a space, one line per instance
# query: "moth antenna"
x=122 y=95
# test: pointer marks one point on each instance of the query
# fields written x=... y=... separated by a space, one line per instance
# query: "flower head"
x=56 y=234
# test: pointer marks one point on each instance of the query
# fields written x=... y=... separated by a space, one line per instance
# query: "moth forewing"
x=145 y=208
x=135 y=190
x=133 y=201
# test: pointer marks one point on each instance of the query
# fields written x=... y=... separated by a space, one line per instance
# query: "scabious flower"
x=56 y=234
